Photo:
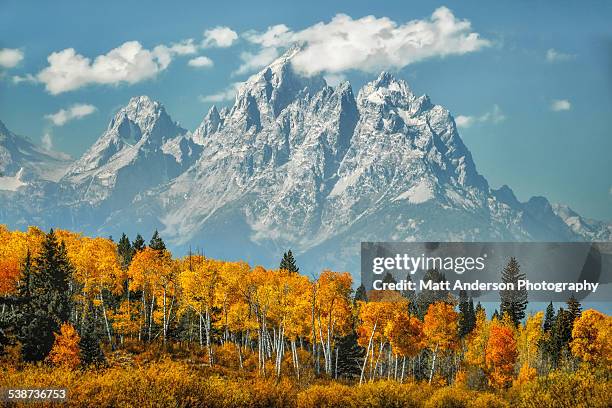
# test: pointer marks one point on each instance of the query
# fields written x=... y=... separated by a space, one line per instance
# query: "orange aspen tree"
x=501 y=355
x=65 y=351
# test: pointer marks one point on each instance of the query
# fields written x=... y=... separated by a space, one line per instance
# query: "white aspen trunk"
x=164 y=321
x=207 y=329
x=200 y=324
x=365 y=360
x=433 y=364
x=110 y=340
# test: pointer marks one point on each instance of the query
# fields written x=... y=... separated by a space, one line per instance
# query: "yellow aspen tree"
x=440 y=326
x=592 y=338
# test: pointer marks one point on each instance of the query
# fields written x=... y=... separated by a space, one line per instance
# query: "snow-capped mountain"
x=22 y=162
x=141 y=148
x=294 y=163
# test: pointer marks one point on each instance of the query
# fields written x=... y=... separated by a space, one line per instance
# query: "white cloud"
x=553 y=55
x=10 y=57
x=200 y=62
x=369 y=44
x=17 y=79
x=252 y=62
x=227 y=94
x=47 y=141
x=221 y=37
x=77 y=111
x=164 y=53
x=558 y=105
x=129 y=63
x=494 y=116
x=463 y=121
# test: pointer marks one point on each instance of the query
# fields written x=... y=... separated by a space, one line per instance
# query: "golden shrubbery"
x=179 y=384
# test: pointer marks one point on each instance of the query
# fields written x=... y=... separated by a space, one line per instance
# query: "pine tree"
x=360 y=294
x=426 y=297
x=138 y=244
x=513 y=302
x=156 y=242
x=388 y=278
x=91 y=353
x=495 y=315
x=125 y=251
x=574 y=307
x=549 y=318
x=288 y=262
x=46 y=298
x=561 y=334
x=350 y=356
x=467 y=316
x=478 y=309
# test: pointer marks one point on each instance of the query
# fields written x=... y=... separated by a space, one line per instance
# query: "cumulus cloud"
x=10 y=57
x=553 y=55
x=227 y=94
x=129 y=63
x=368 y=44
x=221 y=37
x=494 y=116
x=76 y=111
x=200 y=62
x=255 y=61
x=558 y=105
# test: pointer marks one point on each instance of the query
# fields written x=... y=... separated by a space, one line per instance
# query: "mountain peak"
x=265 y=94
x=386 y=89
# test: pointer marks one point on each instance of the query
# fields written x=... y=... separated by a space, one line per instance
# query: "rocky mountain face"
x=21 y=161
x=294 y=163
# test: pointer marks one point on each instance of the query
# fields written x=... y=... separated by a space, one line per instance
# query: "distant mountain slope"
x=21 y=161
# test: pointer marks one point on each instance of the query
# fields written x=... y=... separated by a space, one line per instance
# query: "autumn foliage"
x=196 y=331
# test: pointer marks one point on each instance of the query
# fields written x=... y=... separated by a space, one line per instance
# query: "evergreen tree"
x=46 y=305
x=388 y=278
x=91 y=353
x=426 y=297
x=360 y=294
x=561 y=334
x=574 y=307
x=138 y=244
x=156 y=242
x=408 y=293
x=513 y=302
x=288 y=262
x=495 y=315
x=125 y=251
x=478 y=309
x=549 y=318
x=350 y=356
x=467 y=317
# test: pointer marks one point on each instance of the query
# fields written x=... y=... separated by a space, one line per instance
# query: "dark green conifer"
x=288 y=262
x=156 y=242
x=513 y=302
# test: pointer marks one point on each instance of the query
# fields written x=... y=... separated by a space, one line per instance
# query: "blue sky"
x=534 y=98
